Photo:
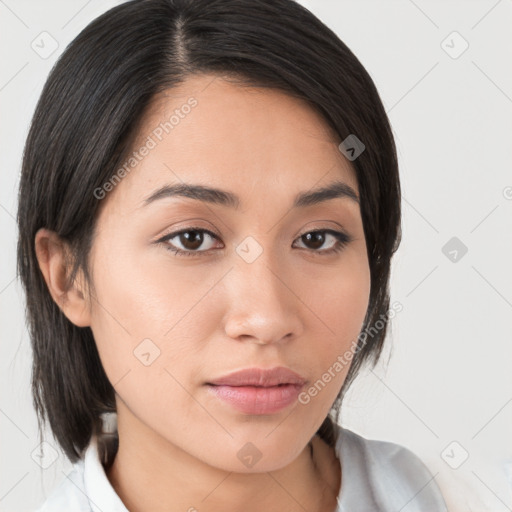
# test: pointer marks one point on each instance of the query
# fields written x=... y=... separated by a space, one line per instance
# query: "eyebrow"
x=337 y=189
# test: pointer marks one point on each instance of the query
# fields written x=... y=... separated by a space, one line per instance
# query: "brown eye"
x=190 y=240
x=314 y=240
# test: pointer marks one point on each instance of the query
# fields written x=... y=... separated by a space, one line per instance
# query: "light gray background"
x=449 y=378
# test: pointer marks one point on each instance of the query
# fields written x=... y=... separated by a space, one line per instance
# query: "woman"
x=208 y=208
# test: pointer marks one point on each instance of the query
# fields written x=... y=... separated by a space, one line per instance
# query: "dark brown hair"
x=87 y=116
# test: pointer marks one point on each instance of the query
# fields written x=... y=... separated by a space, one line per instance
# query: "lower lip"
x=258 y=400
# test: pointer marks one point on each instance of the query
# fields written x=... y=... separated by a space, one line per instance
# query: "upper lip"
x=260 y=377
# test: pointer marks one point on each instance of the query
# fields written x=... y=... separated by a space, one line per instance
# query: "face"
x=265 y=283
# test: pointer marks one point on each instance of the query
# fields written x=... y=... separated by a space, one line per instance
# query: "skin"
x=213 y=313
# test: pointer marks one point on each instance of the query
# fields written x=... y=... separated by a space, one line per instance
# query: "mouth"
x=258 y=391
x=260 y=377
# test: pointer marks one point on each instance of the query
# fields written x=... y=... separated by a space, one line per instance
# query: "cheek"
x=146 y=337
x=340 y=297
x=143 y=295
x=149 y=313
x=340 y=304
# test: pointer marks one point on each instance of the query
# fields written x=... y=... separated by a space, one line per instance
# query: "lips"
x=260 y=377
x=258 y=391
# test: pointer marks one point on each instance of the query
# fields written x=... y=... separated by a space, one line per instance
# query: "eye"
x=190 y=239
x=316 y=239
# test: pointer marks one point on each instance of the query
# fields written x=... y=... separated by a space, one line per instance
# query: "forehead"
x=211 y=131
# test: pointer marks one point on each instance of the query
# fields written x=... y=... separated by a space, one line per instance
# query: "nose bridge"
x=261 y=305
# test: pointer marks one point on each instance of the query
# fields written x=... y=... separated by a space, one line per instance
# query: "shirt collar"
x=98 y=488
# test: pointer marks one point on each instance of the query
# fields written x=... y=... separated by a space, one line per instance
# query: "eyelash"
x=342 y=239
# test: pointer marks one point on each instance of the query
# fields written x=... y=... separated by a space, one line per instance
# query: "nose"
x=263 y=307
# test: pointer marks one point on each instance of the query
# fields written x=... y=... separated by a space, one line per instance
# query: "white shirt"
x=377 y=476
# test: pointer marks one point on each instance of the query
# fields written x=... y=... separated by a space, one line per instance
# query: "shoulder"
x=69 y=494
x=392 y=475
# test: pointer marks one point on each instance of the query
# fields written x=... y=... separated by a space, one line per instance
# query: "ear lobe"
x=52 y=256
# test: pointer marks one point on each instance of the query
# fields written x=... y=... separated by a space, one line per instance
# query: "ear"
x=52 y=256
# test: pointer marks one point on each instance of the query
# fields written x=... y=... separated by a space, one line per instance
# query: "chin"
x=254 y=456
